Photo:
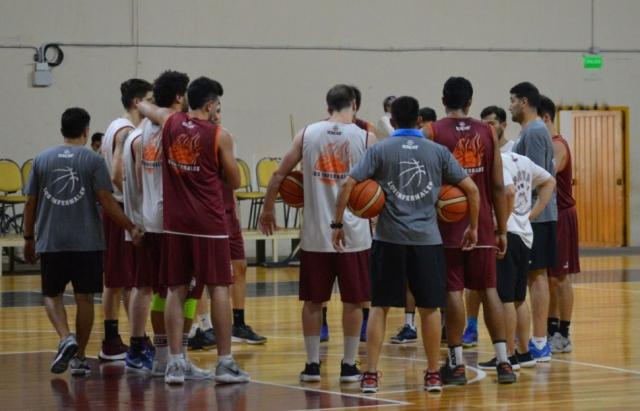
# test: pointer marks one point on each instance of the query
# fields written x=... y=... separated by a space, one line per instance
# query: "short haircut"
x=547 y=106
x=404 y=112
x=133 y=88
x=427 y=114
x=528 y=91
x=386 y=103
x=457 y=93
x=499 y=112
x=340 y=97
x=74 y=121
x=169 y=85
x=358 y=96
x=96 y=137
x=203 y=90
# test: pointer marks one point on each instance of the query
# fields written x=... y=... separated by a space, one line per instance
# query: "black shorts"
x=422 y=266
x=82 y=268
x=544 y=250
x=512 y=270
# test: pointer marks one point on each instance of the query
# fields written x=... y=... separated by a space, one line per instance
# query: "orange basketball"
x=366 y=199
x=292 y=189
x=452 y=204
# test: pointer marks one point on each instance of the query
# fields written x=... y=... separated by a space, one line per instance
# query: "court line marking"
x=606 y=289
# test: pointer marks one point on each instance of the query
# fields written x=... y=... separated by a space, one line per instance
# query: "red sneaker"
x=369 y=382
x=113 y=349
x=432 y=381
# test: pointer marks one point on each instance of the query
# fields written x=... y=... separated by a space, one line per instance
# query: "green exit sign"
x=592 y=61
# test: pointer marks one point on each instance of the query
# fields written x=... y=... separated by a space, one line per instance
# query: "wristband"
x=335 y=225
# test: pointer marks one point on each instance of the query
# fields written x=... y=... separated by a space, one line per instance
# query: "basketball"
x=452 y=204
x=366 y=199
x=292 y=189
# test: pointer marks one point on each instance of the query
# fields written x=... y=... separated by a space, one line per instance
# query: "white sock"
x=192 y=331
x=225 y=358
x=501 y=351
x=409 y=319
x=539 y=342
x=455 y=356
x=205 y=321
x=312 y=345
x=175 y=357
x=350 y=349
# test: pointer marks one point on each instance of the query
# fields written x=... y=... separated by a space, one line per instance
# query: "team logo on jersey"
x=65 y=189
x=65 y=154
x=412 y=182
x=151 y=153
x=462 y=126
x=334 y=131
x=410 y=145
x=333 y=163
x=184 y=153
x=522 y=202
x=470 y=152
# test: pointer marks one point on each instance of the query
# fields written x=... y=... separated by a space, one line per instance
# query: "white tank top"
x=329 y=150
x=108 y=145
x=152 y=177
x=131 y=192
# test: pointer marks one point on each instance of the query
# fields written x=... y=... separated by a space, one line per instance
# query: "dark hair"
x=404 y=112
x=501 y=115
x=340 y=97
x=547 y=106
x=74 y=121
x=528 y=91
x=457 y=93
x=358 y=96
x=169 y=85
x=386 y=103
x=96 y=137
x=133 y=88
x=427 y=114
x=203 y=90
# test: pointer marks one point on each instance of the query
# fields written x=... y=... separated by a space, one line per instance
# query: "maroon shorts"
x=147 y=261
x=475 y=269
x=185 y=258
x=195 y=290
x=318 y=272
x=118 y=256
x=236 y=242
x=568 y=257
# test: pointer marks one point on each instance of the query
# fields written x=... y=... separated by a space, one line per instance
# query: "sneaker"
x=244 y=333
x=541 y=355
x=113 y=349
x=140 y=362
x=324 y=333
x=369 y=382
x=407 y=334
x=363 y=331
x=349 y=373
x=526 y=360
x=199 y=341
x=560 y=344
x=174 y=373
x=67 y=348
x=159 y=368
x=228 y=372
x=492 y=363
x=505 y=373
x=79 y=366
x=191 y=372
x=210 y=337
x=453 y=376
x=470 y=337
x=432 y=382
x=311 y=372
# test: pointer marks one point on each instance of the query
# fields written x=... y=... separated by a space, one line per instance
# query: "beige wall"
x=263 y=87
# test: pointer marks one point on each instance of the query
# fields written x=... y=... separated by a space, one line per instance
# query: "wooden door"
x=598 y=171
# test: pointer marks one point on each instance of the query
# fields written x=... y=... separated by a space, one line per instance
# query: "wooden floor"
x=603 y=372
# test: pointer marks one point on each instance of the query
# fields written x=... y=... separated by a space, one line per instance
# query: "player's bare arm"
x=111 y=207
x=228 y=160
x=499 y=198
x=137 y=161
x=118 y=164
x=341 y=204
x=559 y=155
x=158 y=115
x=30 y=208
x=545 y=192
x=470 y=236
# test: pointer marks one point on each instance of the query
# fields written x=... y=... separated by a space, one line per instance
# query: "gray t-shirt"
x=65 y=180
x=535 y=142
x=410 y=171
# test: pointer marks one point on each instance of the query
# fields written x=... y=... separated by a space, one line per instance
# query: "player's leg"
x=472 y=304
x=201 y=335
x=543 y=256
x=242 y=332
x=453 y=371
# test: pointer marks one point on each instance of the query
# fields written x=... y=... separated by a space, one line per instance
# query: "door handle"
x=619 y=182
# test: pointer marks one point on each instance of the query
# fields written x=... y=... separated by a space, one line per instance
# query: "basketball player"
x=474 y=145
x=327 y=150
x=384 y=126
x=407 y=246
x=535 y=142
x=118 y=256
x=96 y=141
x=64 y=186
x=560 y=288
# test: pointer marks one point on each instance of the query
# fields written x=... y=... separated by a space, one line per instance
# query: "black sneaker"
x=311 y=372
x=505 y=373
x=526 y=360
x=349 y=373
x=244 y=333
x=453 y=376
x=210 y=337
x=199 y=341
x=67 y=348
x=492 y=363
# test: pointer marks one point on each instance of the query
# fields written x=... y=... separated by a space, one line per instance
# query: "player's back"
x=108 y=147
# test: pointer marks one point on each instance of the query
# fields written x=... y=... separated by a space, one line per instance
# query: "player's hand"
x=30 y=251
x=469 y=239
x=338 y=239
x=267 y=222
x=137 y=234
x=501 y=241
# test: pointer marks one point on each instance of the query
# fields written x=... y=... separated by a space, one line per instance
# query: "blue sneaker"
x=140 y=362
x=405 y=335
x=363 y=331
x=470 y=337
x=324 y=333
x=540 y=355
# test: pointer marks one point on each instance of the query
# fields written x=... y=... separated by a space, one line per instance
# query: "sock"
x=500 y=347
x=194 y=327
x=563 y=328
x=238 y=317
x=162 y=347
x=365 y=315
x=539 y=342
x=410 y=318
x=552 y=326
x=324 y=315
x=312 y=345
x=350 y=349
x=185 y=344
x=205 y=321
x=225 y=358
x=175 y=357
x=472 y=323
x=137 y=344
x=455 y=356
x=110 y=329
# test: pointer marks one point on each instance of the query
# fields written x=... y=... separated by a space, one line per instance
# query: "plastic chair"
x=248 y=194
x=26 y=172
x=10 y=183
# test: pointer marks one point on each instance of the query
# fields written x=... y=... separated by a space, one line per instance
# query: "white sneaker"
x=560 y=344
x=228 y=372
x=175 y=372
x=159 y=368
x=192 y=372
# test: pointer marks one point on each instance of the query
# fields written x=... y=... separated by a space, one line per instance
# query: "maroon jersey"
x=191 y=178
x=363 y=124
x=471 y=143
x=564 y=179
x=228 y=197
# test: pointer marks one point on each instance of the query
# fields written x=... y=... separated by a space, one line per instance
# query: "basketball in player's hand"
x=366 y=199
x=452 y=204
x=292 y=189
